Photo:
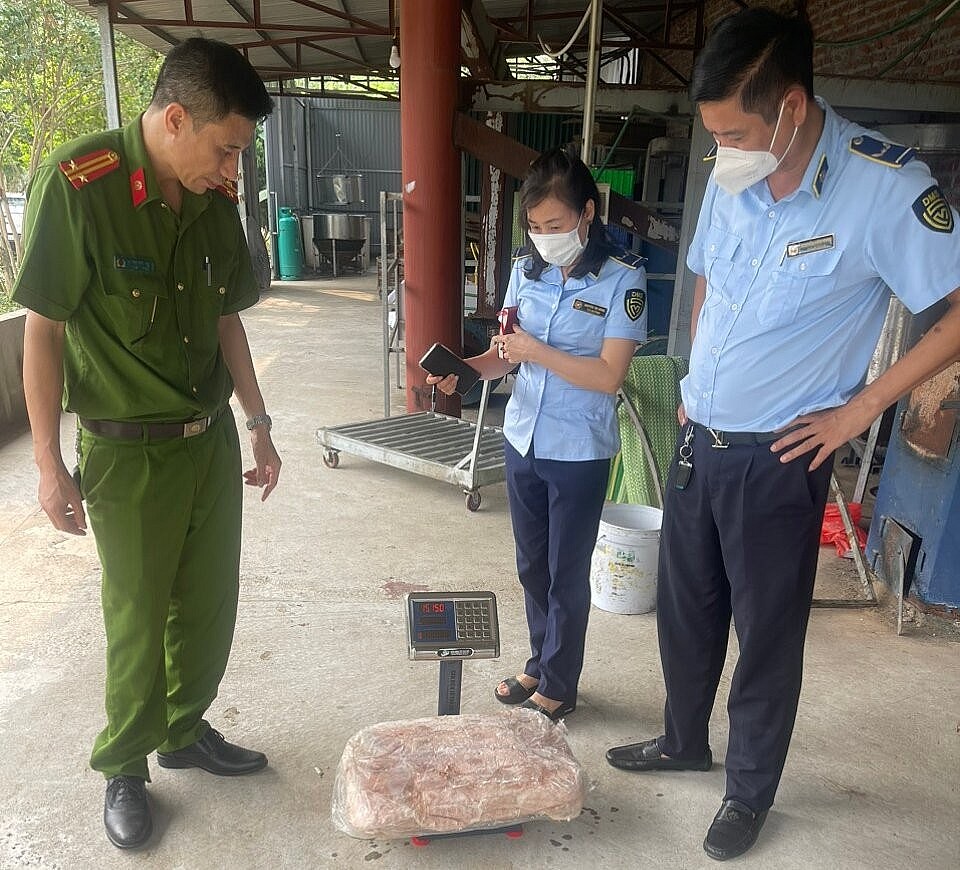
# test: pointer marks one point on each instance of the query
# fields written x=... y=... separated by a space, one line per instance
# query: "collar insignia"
x=138 y=187
x=822 y=170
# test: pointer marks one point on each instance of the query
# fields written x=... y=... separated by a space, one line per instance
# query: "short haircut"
x=564 y=176
x=758 y=54
x=211 y=80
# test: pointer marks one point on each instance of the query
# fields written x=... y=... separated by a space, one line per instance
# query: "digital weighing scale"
x=448 y=627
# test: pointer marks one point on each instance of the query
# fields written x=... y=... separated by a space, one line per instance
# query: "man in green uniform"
x=134 y=270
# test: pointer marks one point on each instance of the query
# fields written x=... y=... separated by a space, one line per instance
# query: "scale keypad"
x=473 y=620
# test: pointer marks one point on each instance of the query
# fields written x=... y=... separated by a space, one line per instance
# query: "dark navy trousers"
x=555 y=509
x=741 y=539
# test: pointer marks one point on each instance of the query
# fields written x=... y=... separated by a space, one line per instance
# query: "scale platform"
x=448 y=627
x=433 y=445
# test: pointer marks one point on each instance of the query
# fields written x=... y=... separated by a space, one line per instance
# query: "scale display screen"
x=452 y=625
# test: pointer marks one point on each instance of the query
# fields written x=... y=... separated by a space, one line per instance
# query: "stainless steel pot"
x=341 y=227
x=339 y=188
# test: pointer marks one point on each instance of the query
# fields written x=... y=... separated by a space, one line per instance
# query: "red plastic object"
x=419 y=841
x=514 y=835
x=833 y=531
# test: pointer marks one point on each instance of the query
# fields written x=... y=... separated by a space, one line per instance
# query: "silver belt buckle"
x=195 y=427
x=718 y=442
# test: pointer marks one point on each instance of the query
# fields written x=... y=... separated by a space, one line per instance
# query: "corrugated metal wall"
x=356 y=136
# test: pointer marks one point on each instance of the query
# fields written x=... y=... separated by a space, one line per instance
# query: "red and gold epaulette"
x=90 y=167
x=229 y=190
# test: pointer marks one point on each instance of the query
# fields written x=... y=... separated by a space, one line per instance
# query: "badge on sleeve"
x=933 y=211
x=634 y=303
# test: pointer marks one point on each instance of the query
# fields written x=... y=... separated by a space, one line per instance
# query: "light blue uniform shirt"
x=563 y=421
x=797 y=290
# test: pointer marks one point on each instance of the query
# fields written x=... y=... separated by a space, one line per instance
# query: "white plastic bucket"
x=623 y=568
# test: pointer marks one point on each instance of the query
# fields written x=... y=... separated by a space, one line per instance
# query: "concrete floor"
x=872 y=779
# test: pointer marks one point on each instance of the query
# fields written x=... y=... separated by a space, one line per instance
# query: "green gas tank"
x=289 y=245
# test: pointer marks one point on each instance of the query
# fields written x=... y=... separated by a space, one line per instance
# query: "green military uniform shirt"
x=140 y=287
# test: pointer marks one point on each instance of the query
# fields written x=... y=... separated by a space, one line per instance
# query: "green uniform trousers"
x=166 y=516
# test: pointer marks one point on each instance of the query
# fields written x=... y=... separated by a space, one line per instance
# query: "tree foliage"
x=51 y=90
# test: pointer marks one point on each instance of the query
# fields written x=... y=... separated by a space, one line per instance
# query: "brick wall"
x=937 y=59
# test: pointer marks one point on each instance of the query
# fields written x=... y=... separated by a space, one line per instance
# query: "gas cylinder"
x=289 y=245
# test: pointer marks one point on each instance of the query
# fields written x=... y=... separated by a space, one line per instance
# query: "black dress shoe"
x=213 y=754
x=646 y=756
x=126 y=812
x=734 y=830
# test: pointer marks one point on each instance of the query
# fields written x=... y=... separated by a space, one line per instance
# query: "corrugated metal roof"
x=297 y=38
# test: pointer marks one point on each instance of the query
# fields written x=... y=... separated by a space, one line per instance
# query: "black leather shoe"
x=646 y=756
x=213 y=754
x=734 y=830
x=126 y=812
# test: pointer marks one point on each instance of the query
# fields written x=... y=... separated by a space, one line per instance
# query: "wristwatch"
x=260 y=420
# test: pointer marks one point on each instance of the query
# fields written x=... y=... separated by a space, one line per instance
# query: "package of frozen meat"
x=447 y=774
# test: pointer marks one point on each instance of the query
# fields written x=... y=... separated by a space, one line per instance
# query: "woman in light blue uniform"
x=581 y=312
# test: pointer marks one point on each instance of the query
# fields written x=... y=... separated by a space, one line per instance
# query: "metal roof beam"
x=567 y=97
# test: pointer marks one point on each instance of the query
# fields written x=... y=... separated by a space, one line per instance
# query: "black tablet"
x=441 y=361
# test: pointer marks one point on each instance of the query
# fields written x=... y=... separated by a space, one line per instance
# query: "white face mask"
x=559 y=249
x=736 y=170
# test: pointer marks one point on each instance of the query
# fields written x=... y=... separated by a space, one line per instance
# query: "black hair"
x=211 y=80
x=757 y=53
x=561 y=174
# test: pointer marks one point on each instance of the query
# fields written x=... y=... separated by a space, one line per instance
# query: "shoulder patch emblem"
x=82 y=170
x=634 y=303
x=933 y=210
x=879 y=151
x=229 y=190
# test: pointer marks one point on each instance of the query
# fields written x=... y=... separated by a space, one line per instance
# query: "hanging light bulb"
x=394 y=56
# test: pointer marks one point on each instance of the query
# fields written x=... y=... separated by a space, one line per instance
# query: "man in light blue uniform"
x=807 y=222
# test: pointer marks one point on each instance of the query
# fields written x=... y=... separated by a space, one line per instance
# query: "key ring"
x=686 y=451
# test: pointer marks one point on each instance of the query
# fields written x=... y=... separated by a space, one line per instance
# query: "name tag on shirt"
x=810 y=246
x=589 y=307
x=133 y=264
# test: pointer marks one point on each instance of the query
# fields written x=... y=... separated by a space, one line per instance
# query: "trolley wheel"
x=420 y=841
x=331 y=458
x=473 y=501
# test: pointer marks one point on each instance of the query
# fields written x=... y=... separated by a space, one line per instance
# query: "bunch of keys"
x=684 y=465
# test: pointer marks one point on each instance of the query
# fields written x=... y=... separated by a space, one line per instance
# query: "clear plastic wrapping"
x=447 y=774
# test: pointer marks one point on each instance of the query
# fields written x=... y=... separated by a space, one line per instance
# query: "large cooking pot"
x=341 y=227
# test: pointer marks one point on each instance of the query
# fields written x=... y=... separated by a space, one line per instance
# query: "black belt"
x=153 y=431
x=722 y=439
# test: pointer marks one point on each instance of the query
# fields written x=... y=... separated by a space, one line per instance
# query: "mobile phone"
x=508 y=319
x=439 y=360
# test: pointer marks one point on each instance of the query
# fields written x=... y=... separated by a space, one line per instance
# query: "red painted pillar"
x=432 y=255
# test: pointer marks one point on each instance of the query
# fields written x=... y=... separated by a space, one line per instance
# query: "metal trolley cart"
x=468 y=455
